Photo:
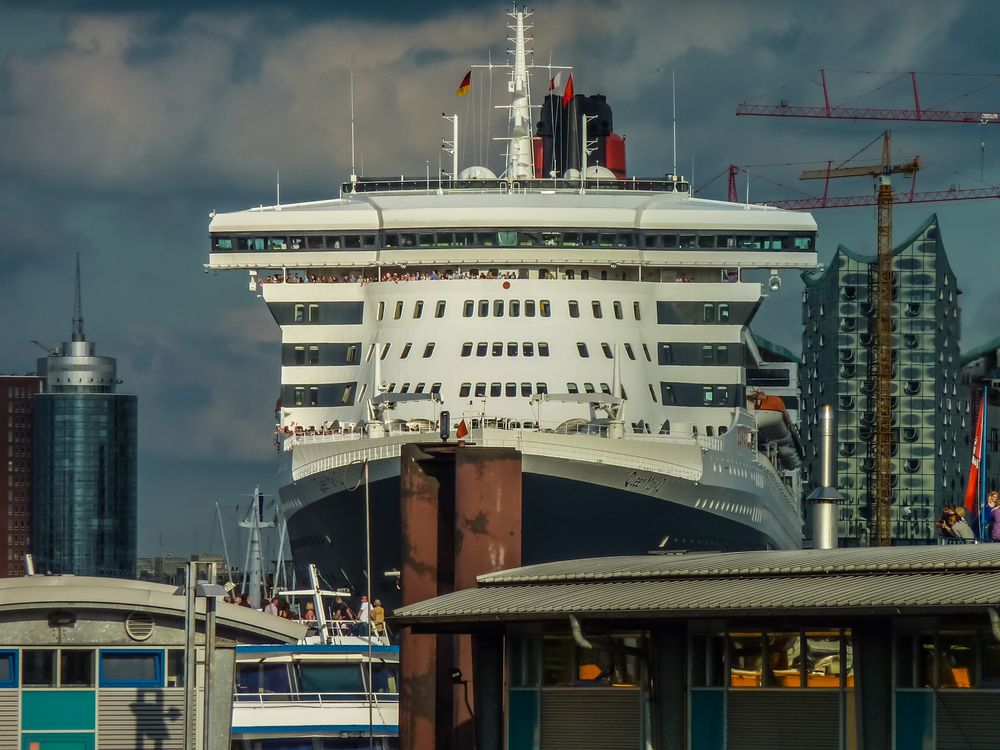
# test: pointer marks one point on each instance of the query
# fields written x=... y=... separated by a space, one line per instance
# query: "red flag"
x=568 y=93
x=461 y=431
x=972 y=488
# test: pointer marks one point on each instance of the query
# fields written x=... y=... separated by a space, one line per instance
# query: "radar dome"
x=572 y=174
x=477 y=173
x=600 y=173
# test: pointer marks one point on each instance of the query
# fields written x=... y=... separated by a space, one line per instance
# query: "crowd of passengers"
x=352 y=278
x=342 y=619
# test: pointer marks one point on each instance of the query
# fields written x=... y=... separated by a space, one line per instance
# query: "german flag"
x=465 y=85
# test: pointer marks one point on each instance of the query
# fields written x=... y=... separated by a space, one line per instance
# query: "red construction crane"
x=828 y=111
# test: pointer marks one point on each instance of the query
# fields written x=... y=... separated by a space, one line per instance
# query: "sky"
x=123 y=125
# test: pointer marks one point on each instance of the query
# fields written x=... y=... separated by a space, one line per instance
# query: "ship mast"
x=519 y=152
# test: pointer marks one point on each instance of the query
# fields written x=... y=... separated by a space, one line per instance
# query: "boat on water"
x=595 y=321
x=336 y=690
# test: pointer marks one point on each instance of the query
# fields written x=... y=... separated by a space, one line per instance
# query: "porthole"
x=139 y=626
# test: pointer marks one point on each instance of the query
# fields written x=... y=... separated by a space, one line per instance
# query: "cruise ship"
x=596 y=321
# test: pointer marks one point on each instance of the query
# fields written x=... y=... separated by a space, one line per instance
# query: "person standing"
x=993 y=515
x=364 y=615
x=272 y=607
x=378 y=619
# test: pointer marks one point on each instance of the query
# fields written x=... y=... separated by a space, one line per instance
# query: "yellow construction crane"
x=883 y=330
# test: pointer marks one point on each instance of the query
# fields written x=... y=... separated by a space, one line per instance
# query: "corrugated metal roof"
x=757 y=563
x=847 y=581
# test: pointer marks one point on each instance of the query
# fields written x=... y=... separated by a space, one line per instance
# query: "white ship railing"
x=315 y=699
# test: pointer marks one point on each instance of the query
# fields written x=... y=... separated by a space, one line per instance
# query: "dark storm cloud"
x=124 y=124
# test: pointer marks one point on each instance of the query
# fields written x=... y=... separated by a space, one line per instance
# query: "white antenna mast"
x=354 y=171
x=519 y=151
x=673 y=100
x=451 y=147
x=277 y=189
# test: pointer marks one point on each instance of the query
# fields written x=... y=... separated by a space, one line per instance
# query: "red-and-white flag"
x=461 y=431
x=555 y=80
x=568 y=93
x=972 y=488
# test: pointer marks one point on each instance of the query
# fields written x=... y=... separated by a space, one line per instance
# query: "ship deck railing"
x=316 y=699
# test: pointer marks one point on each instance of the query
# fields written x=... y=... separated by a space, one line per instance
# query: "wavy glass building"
x=84 y=478
x=930 y=404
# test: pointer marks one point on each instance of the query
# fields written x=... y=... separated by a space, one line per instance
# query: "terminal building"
x=84 y=454
x=930 y=402
x=890 y=648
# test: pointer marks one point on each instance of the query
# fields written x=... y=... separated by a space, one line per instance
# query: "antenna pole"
x=277 y=189
x=354 y=171
x=673 y=99
x=78 y=307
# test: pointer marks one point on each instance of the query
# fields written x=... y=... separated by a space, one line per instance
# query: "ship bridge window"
x=605 y=388
x=528 y=349
x=687 y=241
x=278 y=243
x=418 y=308
x=572 y=388
x=406 y=350
x=706 y=241
x=529 y=308
x=507 y=239
x=510 y=390
x=804 y=242
x=617 y=307
x=544 y=308
x=484 y=308
x=541 y=388
x=511 y=348
x=385 y=351
x=464 y=390
x=525 y=389
x=514 y=308
x=223 y=243
x=467 y=308
x=295 y=243
x=436 y=388
x=496 y=389
x=629 y=351
x=543 y=349
x=606 y=348
x=419 y=388
x=497 y=349
x=582 y=349
x=574 y=309
x=250 y=244
x=595 y=306
x=481 y=348
x=428 y=350
x=480 y=390
x=589 y=388
x=498 y=308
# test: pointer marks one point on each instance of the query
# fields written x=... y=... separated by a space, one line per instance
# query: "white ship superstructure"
x=600 y=325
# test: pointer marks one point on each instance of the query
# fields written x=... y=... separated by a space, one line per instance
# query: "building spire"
x=78 y=334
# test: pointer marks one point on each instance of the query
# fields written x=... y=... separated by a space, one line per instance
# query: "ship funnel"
x=825 y=497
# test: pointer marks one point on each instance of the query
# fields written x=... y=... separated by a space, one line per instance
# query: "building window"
x=428 y=350
x=8 y=669
x=722 y=354
x=723 y=312
x=708 y=313
x=131 y=668
x=707 y=354
x=300 y=314
x=300 y=355
x=38 y=667
x=350 y=357
x=299 y=396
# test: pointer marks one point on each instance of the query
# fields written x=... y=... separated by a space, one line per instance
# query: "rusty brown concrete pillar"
x=487 y=539
x=427 y=509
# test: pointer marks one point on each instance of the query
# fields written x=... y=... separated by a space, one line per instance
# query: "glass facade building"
x=930 y=404
x=85 y=483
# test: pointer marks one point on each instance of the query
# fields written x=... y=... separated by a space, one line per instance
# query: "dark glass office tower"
x=84 y=479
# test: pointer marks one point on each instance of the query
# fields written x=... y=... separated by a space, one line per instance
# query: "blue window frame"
x=131 y=668
x=8 y=669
